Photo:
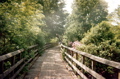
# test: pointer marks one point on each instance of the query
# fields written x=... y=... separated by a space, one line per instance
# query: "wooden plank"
x=32 y=62
x=8 y=55
x=36 y=50
x=82 y=61
x=93 y=66
x=96 y=58
x=11 y=54
x=13 y=77
x=93 y=73
x=76 y=58
x=76 y=69
x=12 y=63
x=30 y=47
x=11 y=69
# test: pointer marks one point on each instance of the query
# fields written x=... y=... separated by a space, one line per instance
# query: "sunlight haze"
x=112 y=5
x=68 y=5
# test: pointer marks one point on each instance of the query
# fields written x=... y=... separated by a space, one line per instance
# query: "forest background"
x=27 y=22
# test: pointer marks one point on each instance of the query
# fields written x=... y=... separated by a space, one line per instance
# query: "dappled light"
x=30 y=28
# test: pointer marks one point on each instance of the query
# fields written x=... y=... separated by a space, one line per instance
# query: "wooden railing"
x=12 y=63
x=71 y=56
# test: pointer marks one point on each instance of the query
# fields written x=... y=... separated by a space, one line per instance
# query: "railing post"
x=1 y=67
x=12 y=63
x=93 y=66
x=20 y=56
x=118 y=74
x=76 y=56
x=71 y=53
x=76 y=64
x=83 y=61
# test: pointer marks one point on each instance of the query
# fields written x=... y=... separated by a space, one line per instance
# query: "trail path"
x=50 y=66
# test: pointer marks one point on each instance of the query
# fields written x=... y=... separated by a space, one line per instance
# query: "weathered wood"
x=36 y=50
x=77 y=70
x=52 y=66
x=76 y=57
x=32 y=46
x=24 y=65
x=6 y=56
x=93 y=66
x=20 y=56
x=11 y=69
x=34 y=59
x=31 y=64
x=82 y=61
x=11 y=54
x=13 y=77
x=12 y=63
x=96 y=58
x=13 y=60
x=93 y=73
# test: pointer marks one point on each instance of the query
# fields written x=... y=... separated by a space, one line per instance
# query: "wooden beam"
x=11 y=54
x=93 y=73
x=95 y=58
x=32 y=46
x=93 y=66
x=76 y=69
x=11 y=69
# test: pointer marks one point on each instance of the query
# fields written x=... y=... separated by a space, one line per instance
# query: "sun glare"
x=112 y=5
x=68 y=5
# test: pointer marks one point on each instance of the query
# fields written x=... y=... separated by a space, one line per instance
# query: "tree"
x=86 y=13
x=54 y=17
x=21 y=23
x=101 y=41
x=118 y=11
x=114 y=17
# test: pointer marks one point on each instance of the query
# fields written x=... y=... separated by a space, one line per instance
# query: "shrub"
x=101 y=41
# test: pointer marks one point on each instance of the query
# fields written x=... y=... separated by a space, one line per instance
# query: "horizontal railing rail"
x=71 y=56
x=12 y=63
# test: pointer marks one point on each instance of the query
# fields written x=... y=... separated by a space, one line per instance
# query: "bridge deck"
x=50 y=66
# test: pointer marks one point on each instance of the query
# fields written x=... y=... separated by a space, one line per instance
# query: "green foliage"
x=116 y=31
x=101 y=41
x=73 y=32
x=118 y=11
x=98 y=34
x=114 y=17
x=21 y=24
x=86 y=13
x=54 y=17
x=29 y=22
x=54 y=40
x=7 y=64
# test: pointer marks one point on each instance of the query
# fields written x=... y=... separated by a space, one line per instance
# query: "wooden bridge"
x=51 y=64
